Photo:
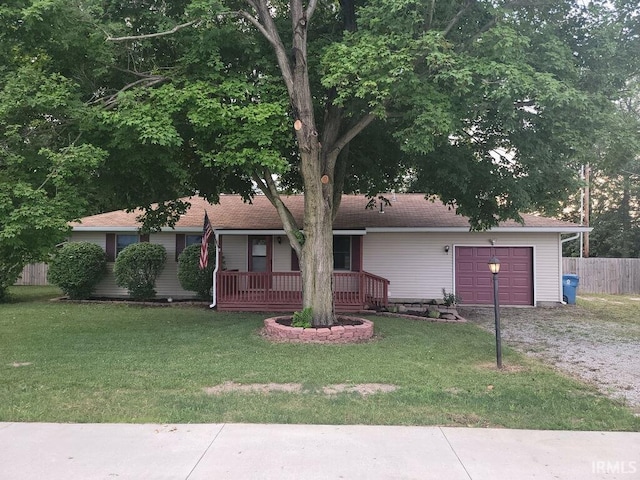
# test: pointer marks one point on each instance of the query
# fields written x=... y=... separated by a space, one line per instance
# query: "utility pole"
x=587 y=208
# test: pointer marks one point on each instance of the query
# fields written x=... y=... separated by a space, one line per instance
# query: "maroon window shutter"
x=356 y=253
x=181 y=240
x=111 y=247
x=295 y=263
x=144 y=237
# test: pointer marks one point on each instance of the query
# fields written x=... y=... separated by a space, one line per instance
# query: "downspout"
x=214 y=289
x=575 y=237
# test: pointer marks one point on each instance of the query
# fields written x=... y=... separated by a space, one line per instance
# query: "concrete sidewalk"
x=36 y=451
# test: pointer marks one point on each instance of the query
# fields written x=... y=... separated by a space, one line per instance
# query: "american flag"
x=207 y=231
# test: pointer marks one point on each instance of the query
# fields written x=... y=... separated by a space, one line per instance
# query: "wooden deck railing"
x=282 y=291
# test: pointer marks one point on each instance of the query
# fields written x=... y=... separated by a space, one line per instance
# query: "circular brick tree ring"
x=361 y=331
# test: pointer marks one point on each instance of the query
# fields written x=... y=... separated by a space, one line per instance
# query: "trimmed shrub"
x=77 y=268
x=137 y=268
x=190 y=275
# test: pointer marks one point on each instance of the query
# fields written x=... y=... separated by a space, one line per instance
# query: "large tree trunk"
x=318 y=148
x=317 y=252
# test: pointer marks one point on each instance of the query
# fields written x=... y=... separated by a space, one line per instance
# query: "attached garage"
x=474 y=282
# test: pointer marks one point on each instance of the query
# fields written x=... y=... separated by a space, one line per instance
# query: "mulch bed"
x=340 y=321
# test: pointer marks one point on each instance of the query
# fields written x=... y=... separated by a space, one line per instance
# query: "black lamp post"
x=494 y=266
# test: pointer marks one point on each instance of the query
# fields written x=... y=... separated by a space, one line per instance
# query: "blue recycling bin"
x=570 y=284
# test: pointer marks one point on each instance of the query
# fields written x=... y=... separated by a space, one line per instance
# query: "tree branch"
x=270 y=190
x=110 y=100
x=353 y=131
x=267 y=27
x=339 y=175
x=494 y=20
x=256 y=23
x=152 y=35
x=311 y=7
x=55 y=170
x=487 y=26
x=524 y=103
x=430 y=16
x=454 y=21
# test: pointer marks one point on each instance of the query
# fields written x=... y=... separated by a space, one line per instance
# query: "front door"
x=259 y=261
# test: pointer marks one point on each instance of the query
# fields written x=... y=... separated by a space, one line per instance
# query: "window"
x=347 y=254
x=123 y=241
x=342 y=252
x=183 y=241
x=193 y=239
x=115 y=243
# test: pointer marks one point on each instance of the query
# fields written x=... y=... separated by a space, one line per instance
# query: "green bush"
x=432 y=313
x=77 y=268
x=450 y=299
x=190 y=275
x=137 y=268
x=303 y=318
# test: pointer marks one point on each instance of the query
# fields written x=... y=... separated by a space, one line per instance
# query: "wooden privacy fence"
x=605 y=275
x=34 y=274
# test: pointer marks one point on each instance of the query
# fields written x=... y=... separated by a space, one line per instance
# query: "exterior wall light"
x=446 y=248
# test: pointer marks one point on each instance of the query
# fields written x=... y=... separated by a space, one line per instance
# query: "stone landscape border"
x=336 y=334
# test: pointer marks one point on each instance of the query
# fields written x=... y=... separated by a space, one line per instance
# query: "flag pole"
x=214 y=289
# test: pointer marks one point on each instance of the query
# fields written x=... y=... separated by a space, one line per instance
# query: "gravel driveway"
x=578 y=340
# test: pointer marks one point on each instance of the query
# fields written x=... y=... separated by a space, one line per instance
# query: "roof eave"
x=364 y=231
x=523 y=229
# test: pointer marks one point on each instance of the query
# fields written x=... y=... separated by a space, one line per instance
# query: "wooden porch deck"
x=282 y=291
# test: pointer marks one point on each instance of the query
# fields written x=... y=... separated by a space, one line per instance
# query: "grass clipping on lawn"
x=361 y=389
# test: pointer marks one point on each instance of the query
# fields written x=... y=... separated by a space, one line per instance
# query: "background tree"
x=46 y=167
x=615 y=183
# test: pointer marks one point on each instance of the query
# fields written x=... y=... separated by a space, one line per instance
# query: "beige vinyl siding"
x=167 y=284
x=234 y=251
x=99 y=238
x=416 y=264
x=418 y=267
x=281 y=254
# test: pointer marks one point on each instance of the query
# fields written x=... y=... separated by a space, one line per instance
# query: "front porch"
x=282 y=291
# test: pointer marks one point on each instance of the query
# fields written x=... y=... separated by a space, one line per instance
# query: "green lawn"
x=64 y=362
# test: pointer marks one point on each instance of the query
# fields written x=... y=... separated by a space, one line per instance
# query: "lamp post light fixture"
x=494 y=267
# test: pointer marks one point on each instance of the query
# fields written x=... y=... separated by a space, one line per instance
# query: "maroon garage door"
x=473 y=279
